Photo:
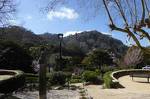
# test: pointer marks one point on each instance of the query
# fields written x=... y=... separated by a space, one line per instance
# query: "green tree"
x=13 y=56
x=97 y=59
x=61 y=64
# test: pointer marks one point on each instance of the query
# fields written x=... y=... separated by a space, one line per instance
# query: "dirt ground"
x=134 y=89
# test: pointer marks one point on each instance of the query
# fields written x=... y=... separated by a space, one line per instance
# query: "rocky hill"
x=20 y=35
x=85 y=41
x=93 y=39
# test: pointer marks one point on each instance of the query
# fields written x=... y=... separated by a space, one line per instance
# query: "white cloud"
x=76 y=32
x=16 y=22
x=63 y=13
x=106 y=33
x=13 y=22
x=71 y=33
x=29 y=17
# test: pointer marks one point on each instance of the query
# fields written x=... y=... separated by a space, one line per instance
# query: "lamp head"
x=60 y=36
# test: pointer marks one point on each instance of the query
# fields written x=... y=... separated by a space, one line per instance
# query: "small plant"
x=108 y=80
x=73 y=87
x=83 y=97
x=82 y=92
x=76 y=77
x=76 y=81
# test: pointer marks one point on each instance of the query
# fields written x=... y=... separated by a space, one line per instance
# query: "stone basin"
x=4 y=77
x=11 y=80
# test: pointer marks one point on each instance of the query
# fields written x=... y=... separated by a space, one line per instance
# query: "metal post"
x=60 y=51
x=60 y=36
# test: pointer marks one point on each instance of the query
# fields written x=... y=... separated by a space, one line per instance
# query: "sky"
x=65 y=19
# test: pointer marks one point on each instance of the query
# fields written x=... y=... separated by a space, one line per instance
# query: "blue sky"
x=64 y=19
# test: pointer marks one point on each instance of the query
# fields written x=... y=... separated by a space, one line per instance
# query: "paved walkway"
x=132 y=90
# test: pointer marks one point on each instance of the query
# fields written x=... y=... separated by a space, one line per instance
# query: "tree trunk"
x=42 y=82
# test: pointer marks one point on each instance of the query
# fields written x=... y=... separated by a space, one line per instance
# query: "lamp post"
x=60 y=37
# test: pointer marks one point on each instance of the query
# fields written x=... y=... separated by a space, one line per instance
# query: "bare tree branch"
x=143 y=12
x=145 y=34
x=107 y=10
x=133 y=16
x=7 y=9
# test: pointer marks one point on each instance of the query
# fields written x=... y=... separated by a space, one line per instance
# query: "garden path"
x=133 y=90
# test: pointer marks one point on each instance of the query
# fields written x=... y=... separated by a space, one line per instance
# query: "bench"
x=141 y=75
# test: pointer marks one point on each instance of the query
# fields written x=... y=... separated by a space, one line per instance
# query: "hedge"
x=92 y=77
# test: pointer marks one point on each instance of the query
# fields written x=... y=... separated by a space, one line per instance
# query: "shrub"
x=91 y=76
x=108 y=80
x=76 y=77
x=59 y=78
x=83 y=97
x=76 y=81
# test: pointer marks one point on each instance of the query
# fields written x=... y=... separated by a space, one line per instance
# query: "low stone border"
x=116 y=74
x=13 y=83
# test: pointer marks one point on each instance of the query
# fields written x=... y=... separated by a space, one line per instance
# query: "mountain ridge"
x=86 y=40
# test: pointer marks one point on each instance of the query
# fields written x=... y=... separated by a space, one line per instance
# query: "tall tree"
x=98 y=58
x=133 y=56
x=13 y=56
x=134 y=15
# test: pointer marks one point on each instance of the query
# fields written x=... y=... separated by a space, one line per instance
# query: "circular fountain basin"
x=4 y=77
x=11 y=80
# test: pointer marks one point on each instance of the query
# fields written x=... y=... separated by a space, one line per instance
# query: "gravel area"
x=134 y=89
x=52 y=94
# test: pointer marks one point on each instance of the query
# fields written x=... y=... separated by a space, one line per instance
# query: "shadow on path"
x=8 y=97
